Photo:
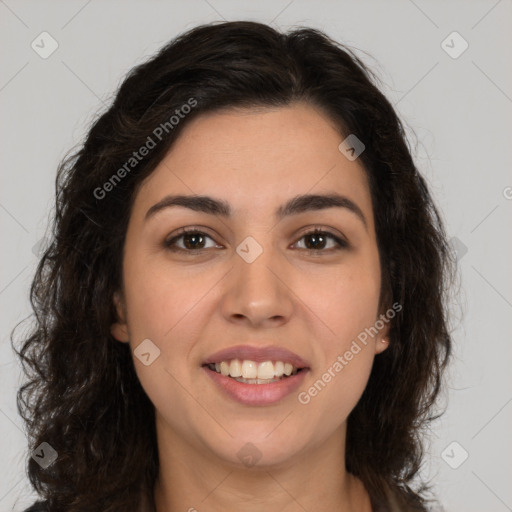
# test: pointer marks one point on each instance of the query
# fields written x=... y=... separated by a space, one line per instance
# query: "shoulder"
x=38 y=506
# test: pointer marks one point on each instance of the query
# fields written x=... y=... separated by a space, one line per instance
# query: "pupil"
x=318 y=240
x=315 y=237
x=193 y=236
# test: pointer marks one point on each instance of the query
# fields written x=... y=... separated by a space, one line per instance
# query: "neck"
x=192 y=479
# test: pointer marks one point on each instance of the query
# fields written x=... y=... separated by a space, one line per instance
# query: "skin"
x=191 y=306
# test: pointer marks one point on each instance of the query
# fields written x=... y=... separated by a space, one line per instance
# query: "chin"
x=252 y=449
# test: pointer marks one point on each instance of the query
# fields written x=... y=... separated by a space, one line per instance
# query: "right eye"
x=191 y=237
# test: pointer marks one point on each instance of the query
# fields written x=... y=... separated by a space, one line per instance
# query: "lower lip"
x=257 y=394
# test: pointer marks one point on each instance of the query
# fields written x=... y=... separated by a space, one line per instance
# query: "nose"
x=257 y=292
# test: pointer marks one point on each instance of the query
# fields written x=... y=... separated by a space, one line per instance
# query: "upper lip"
x=258 y=355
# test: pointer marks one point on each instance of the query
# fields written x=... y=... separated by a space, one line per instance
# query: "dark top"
x=38 y=506
x=391 y=506
x=41 y=506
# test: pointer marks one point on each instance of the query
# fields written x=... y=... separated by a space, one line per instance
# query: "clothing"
x=38 y=506
x=391 y=506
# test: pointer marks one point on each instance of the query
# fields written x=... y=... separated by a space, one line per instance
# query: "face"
x=253 y=279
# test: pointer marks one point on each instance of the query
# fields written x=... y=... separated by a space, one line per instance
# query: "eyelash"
x=169 y=244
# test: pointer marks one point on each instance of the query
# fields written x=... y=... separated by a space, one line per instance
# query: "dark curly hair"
x=83 y=396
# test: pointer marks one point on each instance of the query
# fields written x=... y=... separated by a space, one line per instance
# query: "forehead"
x=256 y=159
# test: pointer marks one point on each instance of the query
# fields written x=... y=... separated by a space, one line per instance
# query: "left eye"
x=192 y=238
x=319 y=237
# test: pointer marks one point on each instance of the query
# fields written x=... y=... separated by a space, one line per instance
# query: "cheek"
x=345 y=301
x=163 y=306
x=332 y=394
x=170 y=307
x=337 y=383
x=160 y=299
x=347 y=306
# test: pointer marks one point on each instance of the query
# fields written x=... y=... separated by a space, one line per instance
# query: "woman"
x=243 y=305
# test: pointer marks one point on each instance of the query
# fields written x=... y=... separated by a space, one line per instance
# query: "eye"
x=319 y=238
x=194 y=241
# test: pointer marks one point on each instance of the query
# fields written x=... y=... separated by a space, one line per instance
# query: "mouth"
x=256 y=376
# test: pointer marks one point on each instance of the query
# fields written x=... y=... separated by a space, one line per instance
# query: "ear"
x=381 y=345
x=119 y=329
x=382 y=338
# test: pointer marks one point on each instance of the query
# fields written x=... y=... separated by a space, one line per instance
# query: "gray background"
x=458 y=116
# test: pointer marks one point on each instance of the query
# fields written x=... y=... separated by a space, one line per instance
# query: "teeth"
x=224 y=368
x=254 y=373
x=256 y=381
x=235 y=368
x=266 y=370
x=279 y=368
x=249 y=370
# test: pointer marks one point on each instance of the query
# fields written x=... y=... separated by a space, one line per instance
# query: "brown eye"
x=318 y=240
x=193 y=240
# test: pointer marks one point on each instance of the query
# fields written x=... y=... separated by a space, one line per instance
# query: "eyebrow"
x=296 y=205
